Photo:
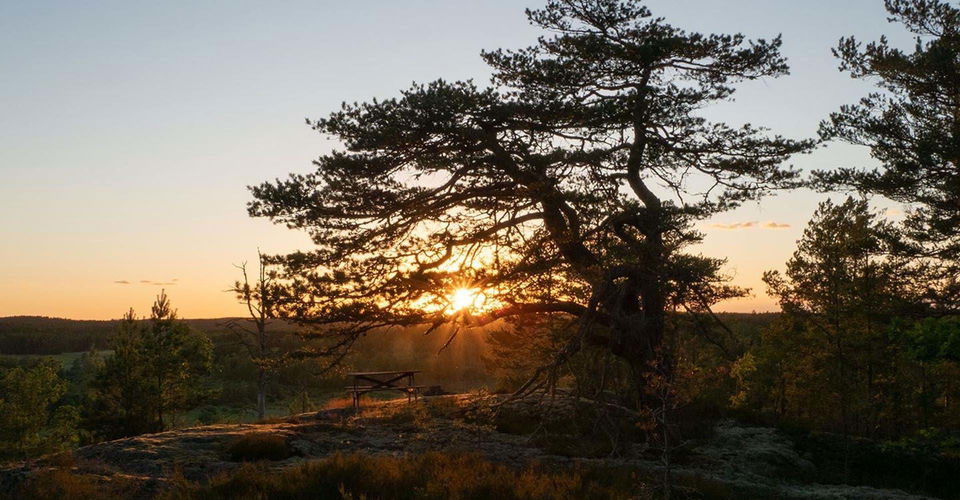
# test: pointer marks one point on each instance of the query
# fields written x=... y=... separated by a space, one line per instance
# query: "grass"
x=428 y=476
x=424 y=477
x=225 y=414
x=276 y=410
x=432 y=475
x=414 y=415
x=62 y=483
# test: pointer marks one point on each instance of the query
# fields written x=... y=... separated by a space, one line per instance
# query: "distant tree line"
x=40 y=335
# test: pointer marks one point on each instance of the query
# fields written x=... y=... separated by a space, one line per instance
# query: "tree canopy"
x=567 y=187
x=912 y=126
x=847 y=353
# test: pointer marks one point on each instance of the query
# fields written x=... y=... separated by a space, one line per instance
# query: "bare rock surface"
x=750 y=461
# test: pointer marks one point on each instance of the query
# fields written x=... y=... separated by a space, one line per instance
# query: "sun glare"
x=464 y=298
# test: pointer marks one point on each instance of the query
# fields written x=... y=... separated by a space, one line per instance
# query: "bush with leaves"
x=32 y=420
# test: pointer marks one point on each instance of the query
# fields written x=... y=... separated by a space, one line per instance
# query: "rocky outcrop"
x=746 y=461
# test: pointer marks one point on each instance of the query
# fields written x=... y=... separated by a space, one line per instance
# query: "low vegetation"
x=257 y=446
x=428 y=476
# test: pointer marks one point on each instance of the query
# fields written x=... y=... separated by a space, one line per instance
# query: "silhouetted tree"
x=260 y=299
x=912 y=126
x=568 y=188
x=831 y=360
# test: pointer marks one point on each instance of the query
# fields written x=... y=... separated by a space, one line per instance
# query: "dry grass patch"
x=62 y=483
x=428 y=476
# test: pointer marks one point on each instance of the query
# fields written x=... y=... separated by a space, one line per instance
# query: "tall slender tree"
x=176 y=358
x=912 y=127
x=567 y=188
x=260 y=298
x=119 y=405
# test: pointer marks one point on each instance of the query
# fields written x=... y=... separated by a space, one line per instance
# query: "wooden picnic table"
x=398 y=380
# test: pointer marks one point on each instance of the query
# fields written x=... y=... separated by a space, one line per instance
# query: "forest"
x=536 y=238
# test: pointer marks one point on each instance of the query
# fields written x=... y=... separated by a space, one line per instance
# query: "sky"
x=130 y=130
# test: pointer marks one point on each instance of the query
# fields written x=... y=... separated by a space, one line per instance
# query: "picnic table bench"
x=400 y=381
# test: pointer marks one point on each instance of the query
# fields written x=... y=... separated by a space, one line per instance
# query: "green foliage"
x=838 y=294
x=41 y=335
x=120 y=404
x=32 y=420
x=925 y=462
x=935 y=339
x=912 y=127
x=176 y=358
x=81 y=373
x=155 y=371
x=848 y=355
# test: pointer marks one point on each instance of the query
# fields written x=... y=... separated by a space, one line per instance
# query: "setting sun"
x=463 y=298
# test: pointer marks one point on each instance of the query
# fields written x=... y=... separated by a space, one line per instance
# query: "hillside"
x=733 y=461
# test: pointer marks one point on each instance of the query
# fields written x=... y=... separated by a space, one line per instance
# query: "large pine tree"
x=566 y=188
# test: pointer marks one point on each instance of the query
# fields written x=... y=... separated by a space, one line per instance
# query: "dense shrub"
x=927 y=463
x=257 y=446
x=33 y=418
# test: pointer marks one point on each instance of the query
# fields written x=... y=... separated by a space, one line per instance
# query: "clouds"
x=148 y=282
x=751 y=225
x=735 y=226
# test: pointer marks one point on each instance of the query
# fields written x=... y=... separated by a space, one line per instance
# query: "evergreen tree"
x=120 y=405
x=831 y=361
x=155 y=371
x=568 y=188
x=912 y=127
x=177 y=358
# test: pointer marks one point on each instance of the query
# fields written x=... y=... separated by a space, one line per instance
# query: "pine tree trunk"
x=261 y=394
